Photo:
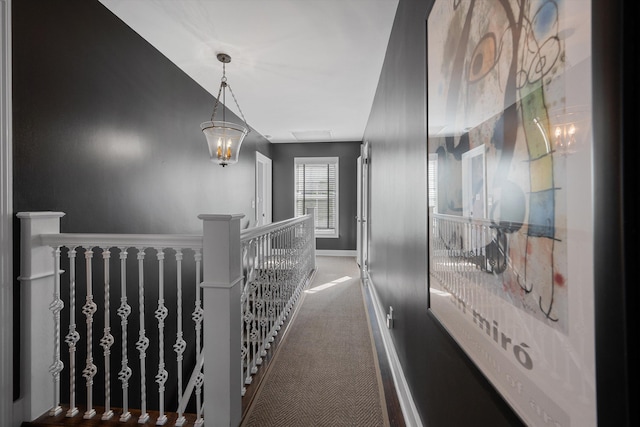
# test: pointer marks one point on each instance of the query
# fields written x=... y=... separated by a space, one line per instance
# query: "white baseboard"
x=409 y=409
x=335 y=252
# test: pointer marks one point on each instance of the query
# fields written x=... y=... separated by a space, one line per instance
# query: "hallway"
x=325 y=370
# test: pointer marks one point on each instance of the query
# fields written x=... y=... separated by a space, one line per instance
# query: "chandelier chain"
x=224 y=84
x=239 y=109
x=215 y=106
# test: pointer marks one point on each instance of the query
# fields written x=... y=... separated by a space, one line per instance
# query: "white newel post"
x=221 y=289
x=40 y=336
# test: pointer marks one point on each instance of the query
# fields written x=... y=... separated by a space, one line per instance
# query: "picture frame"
x=510 y=198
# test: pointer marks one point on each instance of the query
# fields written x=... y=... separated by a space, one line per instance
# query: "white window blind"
x=316 y=187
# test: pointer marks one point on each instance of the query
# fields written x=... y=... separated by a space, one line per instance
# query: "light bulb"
x=219 y=151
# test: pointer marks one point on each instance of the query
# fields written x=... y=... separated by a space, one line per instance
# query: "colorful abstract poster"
x=510 y=183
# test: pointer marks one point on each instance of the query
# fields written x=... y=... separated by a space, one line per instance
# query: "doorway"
x=362 y=235
x=263 y=189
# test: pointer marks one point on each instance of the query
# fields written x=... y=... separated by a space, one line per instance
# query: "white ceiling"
x=298 y=67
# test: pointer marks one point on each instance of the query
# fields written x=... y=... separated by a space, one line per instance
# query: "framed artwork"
x=510 y=198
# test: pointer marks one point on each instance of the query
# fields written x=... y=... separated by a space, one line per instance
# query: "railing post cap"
x=222 y=285
x=220 y=217
x=46 y=214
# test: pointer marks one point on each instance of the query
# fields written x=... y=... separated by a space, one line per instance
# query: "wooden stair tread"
x=61 y=419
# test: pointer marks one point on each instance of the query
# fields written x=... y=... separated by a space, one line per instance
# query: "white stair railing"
x=276 y=259
x=42 y=249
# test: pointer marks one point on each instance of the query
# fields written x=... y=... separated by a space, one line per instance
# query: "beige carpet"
x=324 y=371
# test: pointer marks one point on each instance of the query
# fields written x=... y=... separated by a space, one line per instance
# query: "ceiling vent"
x=312 y=135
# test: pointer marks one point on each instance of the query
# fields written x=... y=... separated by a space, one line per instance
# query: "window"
x=316 y=187
x=432 y=184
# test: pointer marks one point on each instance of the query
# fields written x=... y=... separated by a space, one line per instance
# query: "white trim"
x=321 y=235
x=335 y=252
x=334 y=160
x=409 y=409
x=6 y=220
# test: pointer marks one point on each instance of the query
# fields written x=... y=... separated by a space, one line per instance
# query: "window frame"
x=335 y=161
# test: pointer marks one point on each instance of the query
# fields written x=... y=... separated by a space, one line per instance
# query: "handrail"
x=251 y=233
x=118 y=240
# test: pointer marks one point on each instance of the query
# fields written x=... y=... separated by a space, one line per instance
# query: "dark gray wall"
x=447 y=387
x=348 y=152
x=107 y=130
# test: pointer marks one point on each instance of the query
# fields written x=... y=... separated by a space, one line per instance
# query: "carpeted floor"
x=324 y=371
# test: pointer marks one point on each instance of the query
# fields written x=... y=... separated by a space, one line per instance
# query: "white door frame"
x=359 y=211
x=363 y=208
x=264 y=189
x=6 y=220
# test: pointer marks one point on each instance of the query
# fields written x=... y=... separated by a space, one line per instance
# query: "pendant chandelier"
x=566 y=130
x=224 y=138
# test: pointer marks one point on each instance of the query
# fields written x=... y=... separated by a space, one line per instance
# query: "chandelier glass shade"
x=224 y=138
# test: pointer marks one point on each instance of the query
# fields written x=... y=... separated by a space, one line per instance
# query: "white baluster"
x=257 y=317
x=262 y=289
x=254 y=335
x=180 y=344
x=285 y=289
x=244 y=344
x=243 y=303
x=282 y=280
x=198 y=316
x=263 y=315
x=56 y=306
x=259 y=306
x=291 y=268
x=272 y=284
x=124 y=311
x=89 y=310
x=198 y=312
x=161 y=314
x=294 y=269
x=199 y=382
x=107 y=338
x=247 y=322
x=143 y=342
x=286 y=285
x=73 y=336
